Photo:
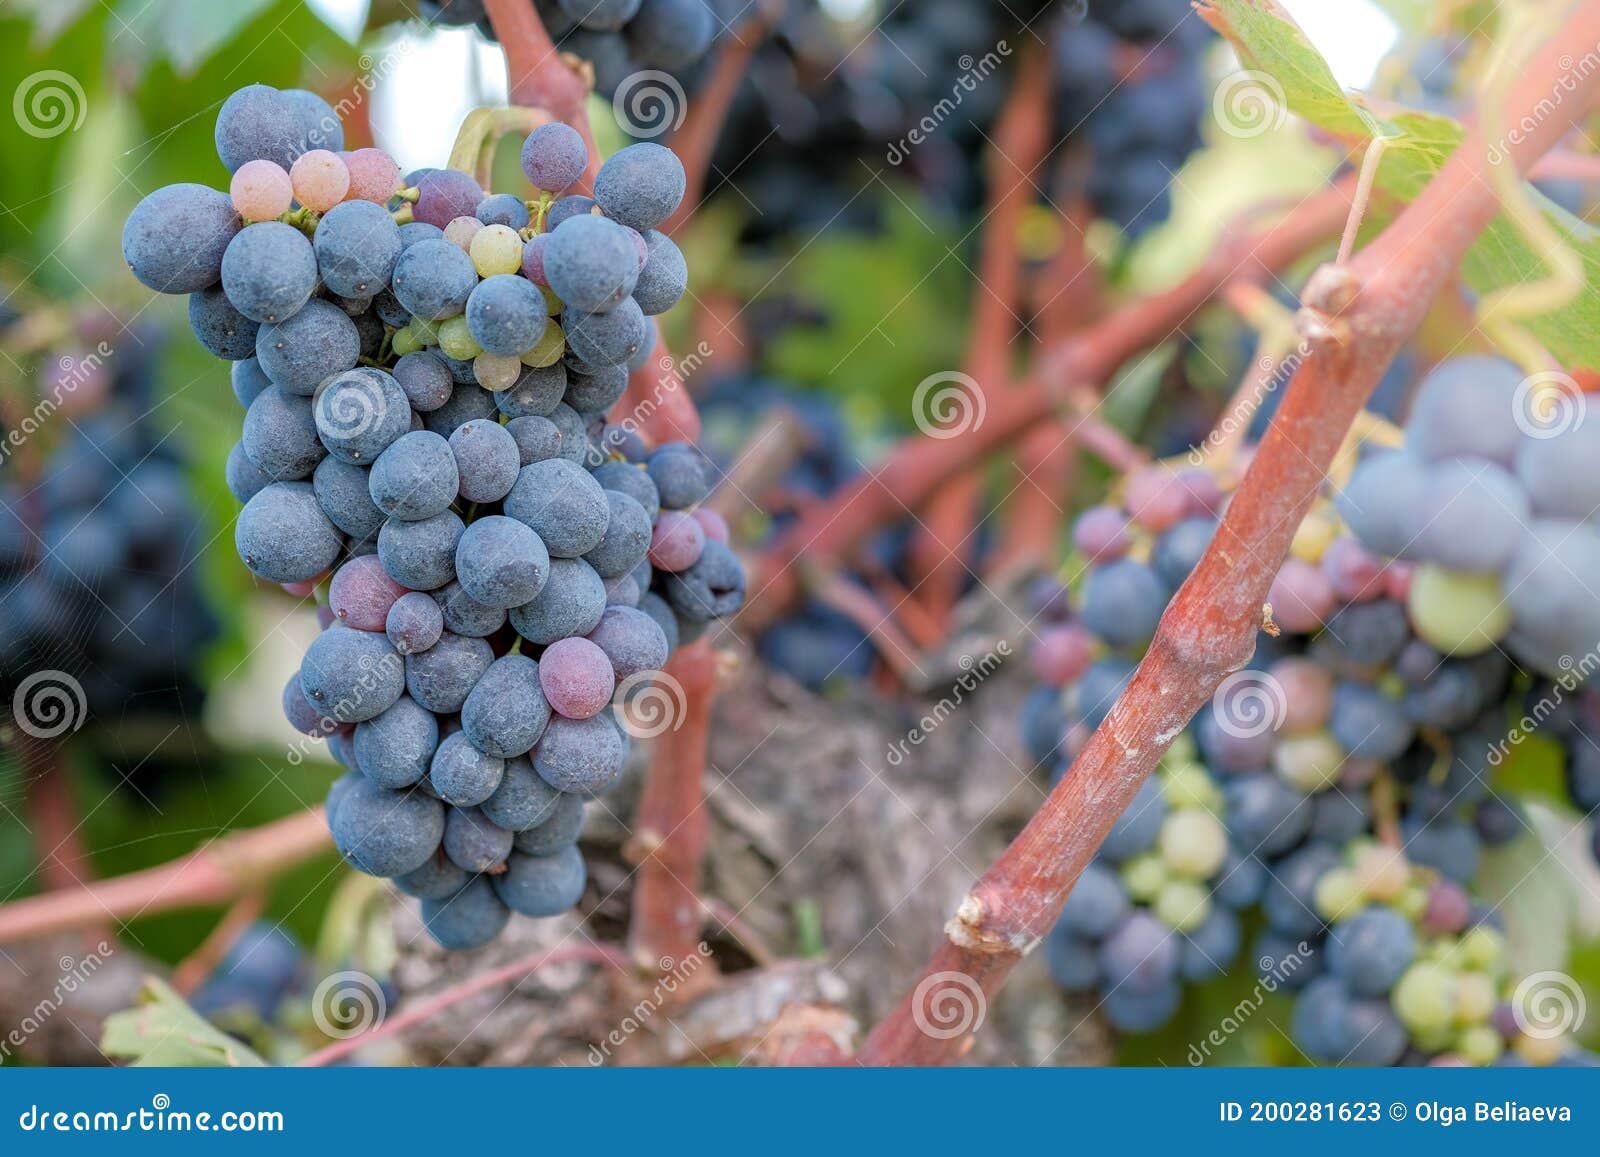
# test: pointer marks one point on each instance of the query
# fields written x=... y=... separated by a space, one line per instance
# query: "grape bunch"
x=619 y=38
x=98 y=545
x=426 y=449
x=1347 y=776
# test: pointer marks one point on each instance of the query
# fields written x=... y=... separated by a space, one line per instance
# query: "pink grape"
x=301 y=590
x=373 y=175
x=261 y=191
x=533 y=259
x=715 y=526
x=1355 y=572
x=1448 y=909
x=1062 y=654
x=320 y=179
x=1397 y=581
x=1302 y=597
x=1307 y=692
x=462 y=230
x=1205 y=494
x=677 y=541
x=1157 y=499
x=1101 y=532
x=325 y=616
x=576 y=678
x=361 y=593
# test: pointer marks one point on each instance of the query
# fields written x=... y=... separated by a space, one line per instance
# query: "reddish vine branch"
x=1355 y=319
x=918 y=466
x=213 y=874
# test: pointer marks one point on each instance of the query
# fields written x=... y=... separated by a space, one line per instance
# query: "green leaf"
x=162 y=1030
x=1269 y=42
x=51 y=17
x=1530 y=885
x=186 y=32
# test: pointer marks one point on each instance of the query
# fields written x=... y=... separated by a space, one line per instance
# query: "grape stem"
x=193 y=969
x=1356 y=318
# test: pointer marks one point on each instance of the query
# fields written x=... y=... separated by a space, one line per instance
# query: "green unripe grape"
x=1476 y=998
x=1458 y=613
x=425 y=330
x=1183 y=752
x=1424 y=999
x=496 y=249
x=1144 y=876
x=456 y=340
x=1338 y=894
x=1308 y=762
x=549 y=349
x=496 y=373
x=553 y=305
x=1412 y=902
x=1480 y=1045
x=1193 y=843
x=1186 y=785
x=404 y=342
x=1483 y=947
x=1182 y=905
x=1541 y=1050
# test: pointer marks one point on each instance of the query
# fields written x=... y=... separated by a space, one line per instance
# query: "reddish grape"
x=362 y=593
x=1301 y=596
x=1355 y=572
x=576 y=678
x=715 y=526
x=1062 y=654
x=373 y=175
x=677 y=541
x=1101 y=533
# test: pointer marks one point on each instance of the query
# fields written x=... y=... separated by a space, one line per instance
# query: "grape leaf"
x=186 y=32
x=1530 y=885
x=162 y=1030
x=1278 y=56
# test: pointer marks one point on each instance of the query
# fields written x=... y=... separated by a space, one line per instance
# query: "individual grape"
x=1123 y=602
x=1138 y=828
x=537 y=438
x=465 y=615
x=501 y=563
x=670 y=34
x=1290 y=962
x=591 y=264
x=1384 y=500
x=436 y=879
x=320 y=180
x=1444 y=843
x=1100 y=688
x=361 y=594
x=1308 y=763
x=421 y=554
x=258 y=122
x=680 y=476
x=283 y=536
x=1449 y=700
x=269 y=271
x=1464 y=408
x=495 y=372
x=560 y=830
x=1371 y=950
x=713 y=588
x=1317 y=1024
x=565 y=209
x=632 y=640
x=596 y=393
x=1338 y=817
x=715 y=526
x=1141 y=1011
x=640 y=186
x=299 y=352
x=461 y=231
x=1240 y=881
x=472 y=842
x=1473 y=515
x=1424 y=998
x=175 y=239
x=414 y=623
x=357 y=246
x=1140 y=955
x=1456 y=612
x=248 y=380
x=414 y=231
x=1307 y=694
x=456 y=341
x=665 y=276
x=577 y=678
x=627 y=537
x=445 y=194
x=303 y=714
x=1287 y=901
x=1211 y=947
x=554 y=157
x=1355 y=573
x=460 y=773
x=343 y=495
x=1101 y=533
x=386 y=833
x=360 y=413
x=581 y=756
x=1157 y=499
x=416 y=478
x=497 y=250
x=1301 y=597
x=1179 y=550
x=433 y=279
x=536 y=394
x=260 y=191
x=1182 y=905
x=374 y=176
x=319 y=125
x=632 y=481
x=571 y=603
x=533 y=260
x=425 y=379
x=542 y=885
x=1193 y=843
x=395 y=748
x=487 y=460
x=523 y=800
x=506 y=315
x=1096 y=904
x=221 y=329
x=352 y=676
x=244 y=478
x=575 y=447
x=562 y=503
x=677 y=541
x=470 y=918
x=1548 y=584
x=503 y=209
x=1266 y=815
x=1369 y=635
x=605 y=340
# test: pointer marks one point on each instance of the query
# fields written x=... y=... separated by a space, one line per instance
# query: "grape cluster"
x=98 y=549
x=1347 y=774
x=619 y=38
x=425 y=426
